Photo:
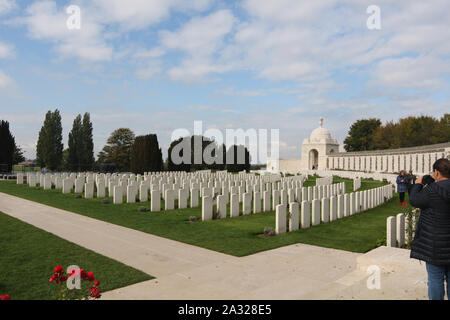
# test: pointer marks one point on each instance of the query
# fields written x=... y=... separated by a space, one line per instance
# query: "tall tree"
x=238 y=159
x=360 y=136
x=118 y=149
x=412 y=132
x=76 y=147
x=49 y=146
x=7 y=147
x=146 y=156
x=81 y=146
x=87 y=158
x=18 y=156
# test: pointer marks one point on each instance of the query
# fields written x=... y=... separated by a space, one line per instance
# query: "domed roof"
x=320 y=133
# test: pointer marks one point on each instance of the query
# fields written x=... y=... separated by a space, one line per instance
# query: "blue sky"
x=156 y=66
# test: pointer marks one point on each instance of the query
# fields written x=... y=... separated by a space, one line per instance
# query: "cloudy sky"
x=158 y=65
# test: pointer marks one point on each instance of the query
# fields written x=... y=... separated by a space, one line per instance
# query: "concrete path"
x=188 y=272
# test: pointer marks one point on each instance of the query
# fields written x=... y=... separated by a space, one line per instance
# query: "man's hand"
x=419 y=180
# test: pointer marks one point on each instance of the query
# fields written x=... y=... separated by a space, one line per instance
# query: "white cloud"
x=139 y=14
x=423 y=72
x=200 y=39
x=7 y=6
x=5 y=81
x=46 y=21
x=6 y=51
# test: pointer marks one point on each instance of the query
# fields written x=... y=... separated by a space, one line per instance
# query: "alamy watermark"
x=255 y=141
x=374 y=20
x=374 y=279
x=74 y=20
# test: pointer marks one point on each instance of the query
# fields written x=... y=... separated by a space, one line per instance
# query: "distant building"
x=321 y=151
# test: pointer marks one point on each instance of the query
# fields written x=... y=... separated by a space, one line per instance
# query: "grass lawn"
x=237 y=236
x=28 y=255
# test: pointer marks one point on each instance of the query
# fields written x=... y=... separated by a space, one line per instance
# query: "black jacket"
x=432 y=240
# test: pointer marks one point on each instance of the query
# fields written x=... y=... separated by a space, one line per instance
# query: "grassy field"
x=28 y=255
x=238 y=236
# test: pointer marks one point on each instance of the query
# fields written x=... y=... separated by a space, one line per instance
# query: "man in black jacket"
x=432 y=240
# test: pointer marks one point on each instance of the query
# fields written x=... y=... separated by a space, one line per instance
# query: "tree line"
x=123 y=152
x=371 y=134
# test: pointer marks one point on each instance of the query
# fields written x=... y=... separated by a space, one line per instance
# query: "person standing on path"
x=432 y=239
x=402 y=185
x=411 y=181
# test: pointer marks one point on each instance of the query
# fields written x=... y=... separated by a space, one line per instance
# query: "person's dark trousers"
x=402 y=197
x=437 y=276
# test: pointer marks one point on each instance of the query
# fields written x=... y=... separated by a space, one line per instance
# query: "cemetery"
x=347 y=203
x=285 y=204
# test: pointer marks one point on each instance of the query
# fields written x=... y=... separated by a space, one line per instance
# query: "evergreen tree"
x=146 y=156
x=87 y=157
x=76 y=147
x=238 y=159
x=18 y=156
x=7 y=147
x=50 y=147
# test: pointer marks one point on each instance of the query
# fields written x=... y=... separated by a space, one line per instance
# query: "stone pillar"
x=357 y=201
x=340 y=206
x=333 y=208
x=391 y=238
x=89 y=190
x=298 y=194
x=280 y=219
x=183 y=195
x=291 y=195
x=79 y=185
x=234 y=205
x=315 y=212
x=266 y=201
x=131 y=194
x=143 y=192
x=194 y=197
x=346 y=205
x=306 y=215
x=47 y=182
x=246 y=203
x=67 y=186
x=275 y=198
x=351 y=204
x=222 y=206
x=31 y=179
x=325 y=210
x=118 y=195
x=293 y=216
x=207 y=208
x=169 y=199
x=304 y=194
x=256 y=202
x=400 y=229
x=101 y=189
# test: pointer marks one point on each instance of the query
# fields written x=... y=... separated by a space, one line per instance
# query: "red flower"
x=90 y=276
x=95 y=292
x=5 y=297
x=83 y=274
x=58 y=269
x=97 y=283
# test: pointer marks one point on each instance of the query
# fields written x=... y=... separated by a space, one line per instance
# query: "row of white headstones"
x=322 y=203
x=329 y=209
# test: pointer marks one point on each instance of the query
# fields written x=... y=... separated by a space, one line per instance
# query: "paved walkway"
x=184 y=271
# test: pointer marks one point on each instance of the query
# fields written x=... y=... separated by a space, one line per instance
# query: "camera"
x=427 y=180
